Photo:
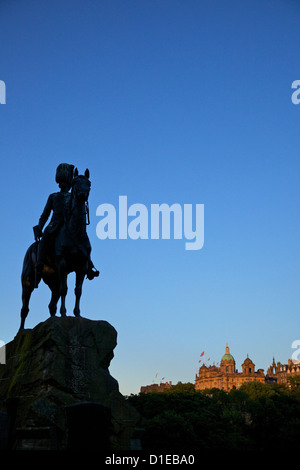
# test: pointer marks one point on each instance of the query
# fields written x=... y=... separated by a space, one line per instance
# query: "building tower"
x=248 y=366
x=227 y=364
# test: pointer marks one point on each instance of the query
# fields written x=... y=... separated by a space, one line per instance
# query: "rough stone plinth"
x=60 y=362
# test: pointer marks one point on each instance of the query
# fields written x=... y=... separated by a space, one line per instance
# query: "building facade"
x=226 y=376
x=281 y=372
x=162 y=387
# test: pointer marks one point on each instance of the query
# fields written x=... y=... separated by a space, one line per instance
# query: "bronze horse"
x=69 y=252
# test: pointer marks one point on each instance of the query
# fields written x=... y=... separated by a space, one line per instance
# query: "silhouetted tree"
x=255 y=417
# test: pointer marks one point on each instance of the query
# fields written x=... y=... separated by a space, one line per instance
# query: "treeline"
x=255 y=417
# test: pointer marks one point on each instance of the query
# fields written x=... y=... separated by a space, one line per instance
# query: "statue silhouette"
x=64 y=246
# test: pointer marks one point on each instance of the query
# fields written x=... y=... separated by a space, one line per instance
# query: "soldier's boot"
x=92 y=271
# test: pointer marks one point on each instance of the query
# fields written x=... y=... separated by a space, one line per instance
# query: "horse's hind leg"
x=27 y=288
x=78 y=291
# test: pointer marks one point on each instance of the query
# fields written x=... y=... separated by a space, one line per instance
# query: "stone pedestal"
x=62 y=362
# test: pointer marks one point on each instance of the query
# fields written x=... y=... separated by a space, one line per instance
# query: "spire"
x=227 y=349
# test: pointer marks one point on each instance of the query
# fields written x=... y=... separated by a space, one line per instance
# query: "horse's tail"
x=28 y=269
x=28 y=279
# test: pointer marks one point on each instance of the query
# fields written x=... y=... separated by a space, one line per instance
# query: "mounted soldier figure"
x=59 y=204
x=64 y=245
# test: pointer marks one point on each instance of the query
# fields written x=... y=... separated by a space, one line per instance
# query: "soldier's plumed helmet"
x=64 y=174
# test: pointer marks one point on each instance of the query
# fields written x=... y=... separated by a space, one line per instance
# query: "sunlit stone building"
x=226 y=376
x=280 y=373
x=162 y=387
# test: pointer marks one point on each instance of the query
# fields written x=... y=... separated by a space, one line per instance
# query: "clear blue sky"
x=164 y=101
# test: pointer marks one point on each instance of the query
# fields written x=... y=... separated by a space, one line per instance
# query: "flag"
x=202 y=354
x=163 y=378
x=200 y=360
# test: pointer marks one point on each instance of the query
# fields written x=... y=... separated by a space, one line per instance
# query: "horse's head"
x=81 y=186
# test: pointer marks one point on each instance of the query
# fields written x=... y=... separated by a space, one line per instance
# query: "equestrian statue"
x=63 y=247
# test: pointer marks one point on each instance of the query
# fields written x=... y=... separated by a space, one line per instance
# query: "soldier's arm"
x=46 y=213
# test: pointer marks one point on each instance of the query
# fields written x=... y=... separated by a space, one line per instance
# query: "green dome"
x=227 y=356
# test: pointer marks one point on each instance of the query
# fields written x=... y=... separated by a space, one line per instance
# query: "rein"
x=87 y=213
x=76 y=205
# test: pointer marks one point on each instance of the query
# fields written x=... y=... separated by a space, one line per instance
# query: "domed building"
x=226 y=376
x=227 y=362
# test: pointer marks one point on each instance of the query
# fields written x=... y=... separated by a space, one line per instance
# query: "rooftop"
x=227 y=356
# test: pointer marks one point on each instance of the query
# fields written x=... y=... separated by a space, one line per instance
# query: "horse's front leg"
x=63 y=289
x=54 y=299
x=63 y=294
x=78 y=291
